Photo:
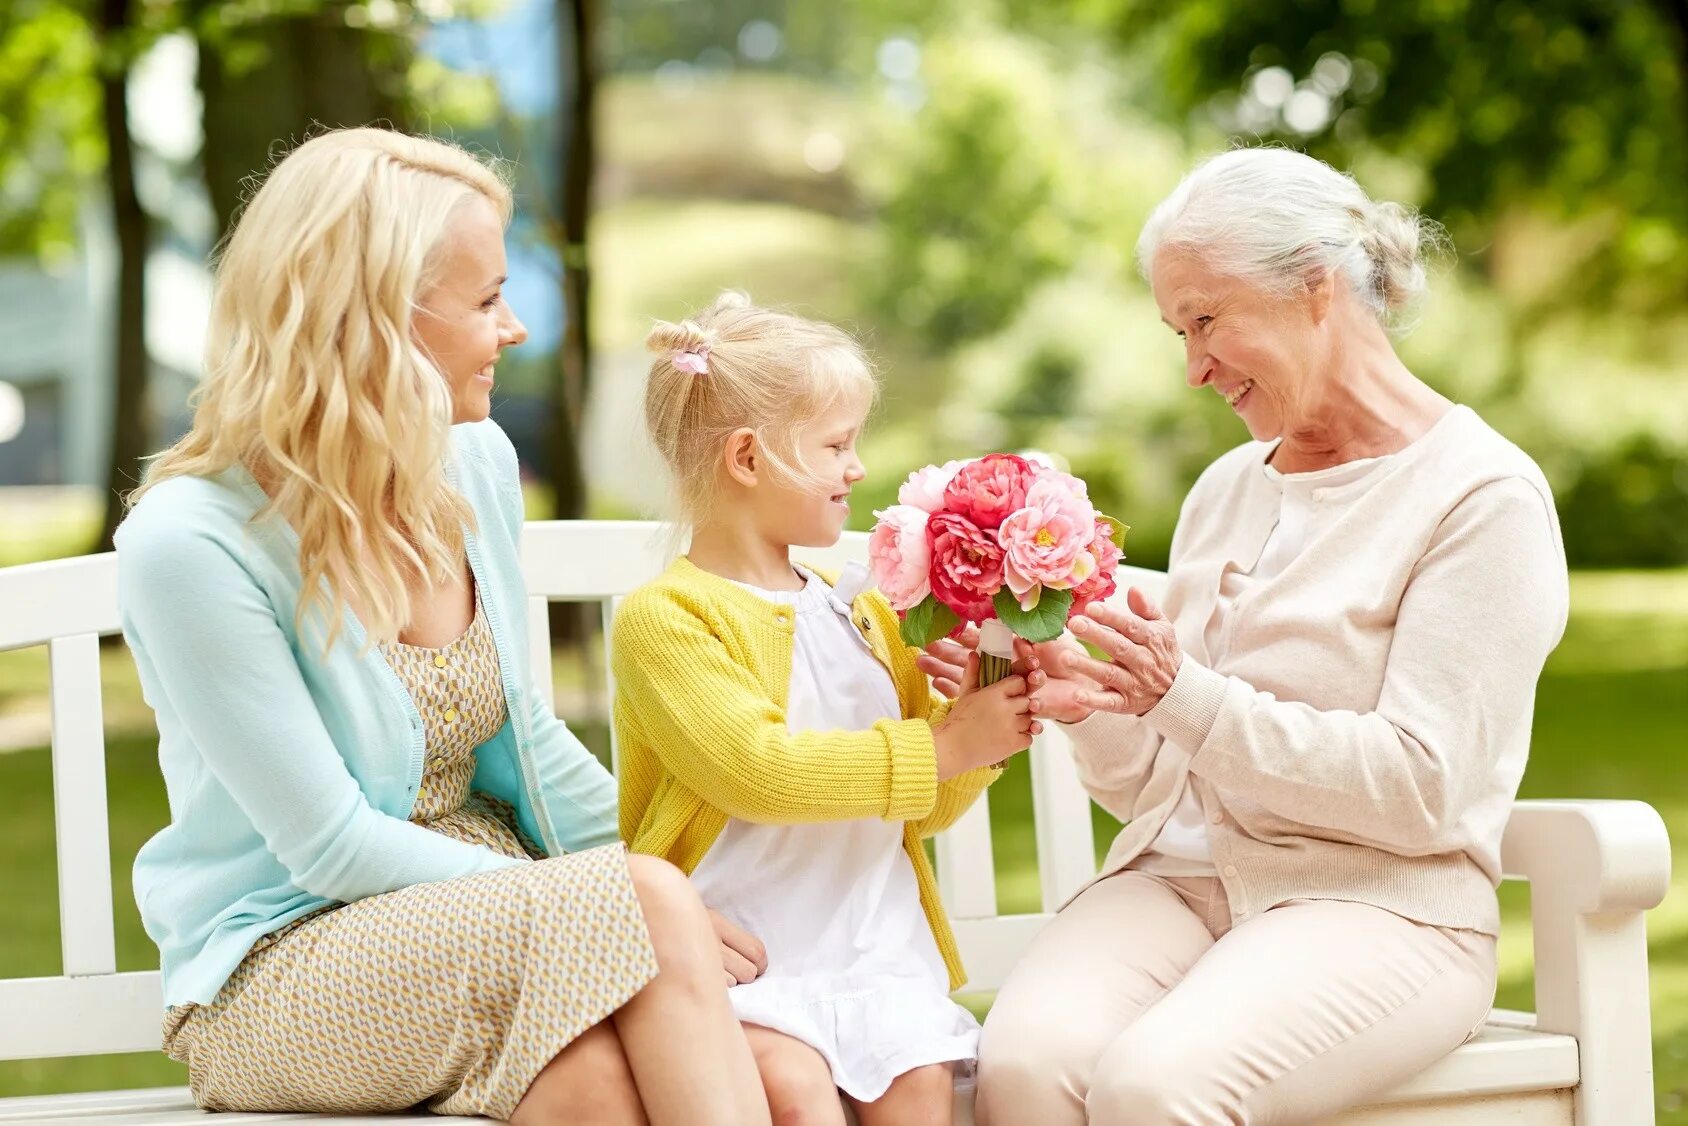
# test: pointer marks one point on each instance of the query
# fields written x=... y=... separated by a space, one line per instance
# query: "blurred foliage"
x=1578 y=107
x=1628 y=508
x=985 y=203
x=52 y=146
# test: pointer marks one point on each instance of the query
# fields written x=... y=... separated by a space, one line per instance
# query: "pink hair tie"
x=696 y=362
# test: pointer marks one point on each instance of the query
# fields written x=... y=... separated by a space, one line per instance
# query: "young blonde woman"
x=390 y=877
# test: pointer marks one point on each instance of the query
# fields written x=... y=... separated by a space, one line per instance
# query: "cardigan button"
x=1231 y=870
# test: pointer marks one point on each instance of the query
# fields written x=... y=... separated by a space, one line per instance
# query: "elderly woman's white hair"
x=1274 y=217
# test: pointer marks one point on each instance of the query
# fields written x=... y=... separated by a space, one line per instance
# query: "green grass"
x=1611 y=721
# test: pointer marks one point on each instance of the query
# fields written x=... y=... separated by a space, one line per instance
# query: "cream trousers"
x=1140 y=1005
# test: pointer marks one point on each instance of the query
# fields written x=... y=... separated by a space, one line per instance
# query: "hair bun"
x=729 y=299
x=1394 y=238
x=666 y=338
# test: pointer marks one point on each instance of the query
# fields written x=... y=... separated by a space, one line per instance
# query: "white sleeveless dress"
x=853 y=969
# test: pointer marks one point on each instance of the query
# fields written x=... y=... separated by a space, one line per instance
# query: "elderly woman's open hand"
x=1143 y=656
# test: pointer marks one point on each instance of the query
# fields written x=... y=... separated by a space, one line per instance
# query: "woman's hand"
x=945 y=661
x=743 y=957
x=1063 y=695
x=1143 y=657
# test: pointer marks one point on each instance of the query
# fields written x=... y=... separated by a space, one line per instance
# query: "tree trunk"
x=1676 y=14
x=311 y=72
x=579 y=155
x=130 y=365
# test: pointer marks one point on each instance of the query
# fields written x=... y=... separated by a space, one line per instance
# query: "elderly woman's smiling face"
x=1260 y=351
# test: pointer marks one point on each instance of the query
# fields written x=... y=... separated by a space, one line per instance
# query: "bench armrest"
x=1594 y=868
x=1595 y=856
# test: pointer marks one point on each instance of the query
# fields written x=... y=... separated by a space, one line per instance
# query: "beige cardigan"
x=1364 y=736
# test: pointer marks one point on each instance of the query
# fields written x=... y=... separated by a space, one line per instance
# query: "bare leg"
x=922 y=1097
x=689 y=1057
x=588 y=1083
x=797 y=1080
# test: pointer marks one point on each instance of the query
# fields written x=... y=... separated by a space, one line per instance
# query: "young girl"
x=778 y=741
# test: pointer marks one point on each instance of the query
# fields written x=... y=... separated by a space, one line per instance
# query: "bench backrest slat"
x=80 y=820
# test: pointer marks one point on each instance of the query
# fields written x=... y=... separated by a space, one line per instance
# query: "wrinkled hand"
x=945 y=661
x=1143 y=657
x=743 y=957
x=1063 y=695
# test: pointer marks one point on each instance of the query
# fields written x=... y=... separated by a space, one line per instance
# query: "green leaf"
x=1043 y=622
x=1120 y=528
x=927 y=621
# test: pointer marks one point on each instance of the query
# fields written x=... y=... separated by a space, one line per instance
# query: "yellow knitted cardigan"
x=701 y=667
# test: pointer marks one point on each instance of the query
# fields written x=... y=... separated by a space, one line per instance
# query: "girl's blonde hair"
x=313 y=380
x=771 y=371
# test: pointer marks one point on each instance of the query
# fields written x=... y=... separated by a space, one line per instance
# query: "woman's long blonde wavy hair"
x=314 y=382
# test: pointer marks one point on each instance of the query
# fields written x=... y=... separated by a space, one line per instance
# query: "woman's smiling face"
x=462 y=321
x=1258 y=350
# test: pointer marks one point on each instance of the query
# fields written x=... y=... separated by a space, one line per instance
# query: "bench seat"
x=1506 y=1058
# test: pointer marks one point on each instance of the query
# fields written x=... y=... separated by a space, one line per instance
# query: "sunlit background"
x=959 y=182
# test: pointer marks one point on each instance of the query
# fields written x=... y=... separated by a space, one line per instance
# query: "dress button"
x=451 y=717
x=439 y=660
x=1231 y=870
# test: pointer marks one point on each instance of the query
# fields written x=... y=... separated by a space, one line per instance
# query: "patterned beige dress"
x=453 y=994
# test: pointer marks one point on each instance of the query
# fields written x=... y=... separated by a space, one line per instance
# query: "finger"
x=1142 y=606
x=1036 y=679
x=1104 y=701
x=970 y=677
x=947 y=688
x=1101 y=634
x=741 y=968
x=948 y=651
x=1012 y=685
x=731 y=980
x=743 y=943
x=1025 y=654
x=941 y=672
x=968 y=638
x=1105 y=674
x=1121 y=619
x=1037 y=727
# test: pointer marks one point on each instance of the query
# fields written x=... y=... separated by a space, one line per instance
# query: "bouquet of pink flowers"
x=1010 y=543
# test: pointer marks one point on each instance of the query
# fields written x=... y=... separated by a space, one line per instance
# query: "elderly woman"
x=1316 y=743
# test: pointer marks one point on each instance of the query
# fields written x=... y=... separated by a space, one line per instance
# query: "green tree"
x=983 y=201
x=1576 y=108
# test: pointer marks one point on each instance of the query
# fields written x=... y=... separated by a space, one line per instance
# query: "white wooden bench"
x=1594 y=867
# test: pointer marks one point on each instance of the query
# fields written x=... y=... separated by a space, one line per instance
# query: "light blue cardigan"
x=291 y=775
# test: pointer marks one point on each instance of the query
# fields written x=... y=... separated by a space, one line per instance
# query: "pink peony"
x=966 y=566
x=924 y=488
x=1100 y=584
x=899 y=555
x=986 y=490
x=1044 y=466
x=1045 y=543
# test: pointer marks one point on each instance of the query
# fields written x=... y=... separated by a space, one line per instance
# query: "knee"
x=590 y=1081
x=799 y=1092
x=674 y=915
x=1149 y=1088
x=1032 y=1064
